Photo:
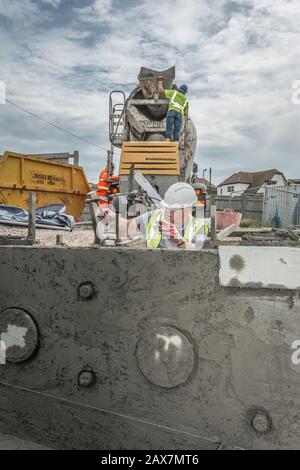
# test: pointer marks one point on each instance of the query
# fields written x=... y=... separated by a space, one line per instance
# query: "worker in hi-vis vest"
x=178 y=108
x=105 y=183
x=178 y=222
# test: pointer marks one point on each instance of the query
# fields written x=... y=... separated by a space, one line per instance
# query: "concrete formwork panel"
x=129 y=348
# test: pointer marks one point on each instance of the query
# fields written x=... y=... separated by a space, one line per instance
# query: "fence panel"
x=250 y=205
x=284 y=202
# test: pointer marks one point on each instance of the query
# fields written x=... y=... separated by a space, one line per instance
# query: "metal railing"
x=117 y=118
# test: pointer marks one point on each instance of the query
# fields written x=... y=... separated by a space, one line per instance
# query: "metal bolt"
x=86 y=291
x=261 y=422
x=86 y=378
x=19 y=334
x=59 y=240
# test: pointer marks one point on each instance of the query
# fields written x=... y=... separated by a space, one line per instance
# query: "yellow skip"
x=53 y=182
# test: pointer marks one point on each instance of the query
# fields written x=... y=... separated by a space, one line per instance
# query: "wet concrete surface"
x=144 y=349
x=8 y=442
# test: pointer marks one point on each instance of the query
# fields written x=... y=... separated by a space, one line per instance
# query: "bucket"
x=228 y=217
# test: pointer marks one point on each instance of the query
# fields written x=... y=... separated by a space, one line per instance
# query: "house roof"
x=294 y=181
x=255 y=180
x=206 y=182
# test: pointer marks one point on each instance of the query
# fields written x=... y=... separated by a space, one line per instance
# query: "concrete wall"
x=144 y=349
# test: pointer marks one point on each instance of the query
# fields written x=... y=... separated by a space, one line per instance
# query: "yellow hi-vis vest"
x=153 y=234
x=175 y=104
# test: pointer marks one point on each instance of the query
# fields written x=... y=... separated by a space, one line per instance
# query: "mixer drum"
x=149 y=86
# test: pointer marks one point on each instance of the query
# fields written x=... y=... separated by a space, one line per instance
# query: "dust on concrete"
x=8 y=442
x=79 y=236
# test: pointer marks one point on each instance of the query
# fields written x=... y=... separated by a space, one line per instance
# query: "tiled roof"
x=206 y=182
x=254 y=179
x=296 y=181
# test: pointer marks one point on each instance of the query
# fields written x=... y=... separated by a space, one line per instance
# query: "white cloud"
x=96 y=12
x=54 y=3
x=25 y=12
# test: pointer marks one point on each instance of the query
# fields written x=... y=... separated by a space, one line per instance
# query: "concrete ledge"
x=257 y=266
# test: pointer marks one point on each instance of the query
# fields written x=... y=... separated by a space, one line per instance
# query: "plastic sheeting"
x=52 y=215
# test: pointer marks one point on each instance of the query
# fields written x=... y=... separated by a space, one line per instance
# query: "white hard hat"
x=178 y=196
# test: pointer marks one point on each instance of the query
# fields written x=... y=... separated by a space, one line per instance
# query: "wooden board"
x=151 y=143
x=164 y=151
x=150 y=157
x=144 y=155
x=162 y=166
x=151 y=171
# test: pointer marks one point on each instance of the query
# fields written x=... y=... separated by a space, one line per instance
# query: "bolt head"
x=86 y=378
x=261 y=422
x=19 y=334
x=86 y=291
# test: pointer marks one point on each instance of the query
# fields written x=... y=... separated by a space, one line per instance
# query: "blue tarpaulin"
x=52 y=215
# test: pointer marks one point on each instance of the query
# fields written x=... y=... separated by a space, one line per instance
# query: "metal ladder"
x=117 y=117
x=186 y=149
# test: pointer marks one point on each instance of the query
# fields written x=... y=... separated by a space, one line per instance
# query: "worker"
x=178 y=108
x=173 y=224
x=200 y=190
x=106 y=181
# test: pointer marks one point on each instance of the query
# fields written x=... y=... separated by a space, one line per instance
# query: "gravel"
x=79 y=236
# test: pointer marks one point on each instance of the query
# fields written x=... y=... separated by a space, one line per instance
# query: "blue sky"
x=61 y=58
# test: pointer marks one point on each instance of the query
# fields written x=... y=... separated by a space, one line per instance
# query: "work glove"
x=170 y=231
x=109 y=215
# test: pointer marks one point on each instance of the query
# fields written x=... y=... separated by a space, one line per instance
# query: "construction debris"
x=80 y=236
x=272 y=238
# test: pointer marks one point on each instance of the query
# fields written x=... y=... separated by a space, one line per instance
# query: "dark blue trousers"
x=174 y=120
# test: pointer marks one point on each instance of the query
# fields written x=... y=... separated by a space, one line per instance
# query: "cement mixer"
x=137 y=126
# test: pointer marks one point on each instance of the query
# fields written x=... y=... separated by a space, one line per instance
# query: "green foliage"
x=251 y=223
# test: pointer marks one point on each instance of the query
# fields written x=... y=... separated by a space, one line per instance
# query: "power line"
x=52 y=124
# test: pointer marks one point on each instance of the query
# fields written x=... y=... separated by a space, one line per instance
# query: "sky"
x=240 y=58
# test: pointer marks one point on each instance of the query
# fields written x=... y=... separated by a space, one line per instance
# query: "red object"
x=170 y=231
x=160 y=78
x=228 y=217
x=104 y=185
